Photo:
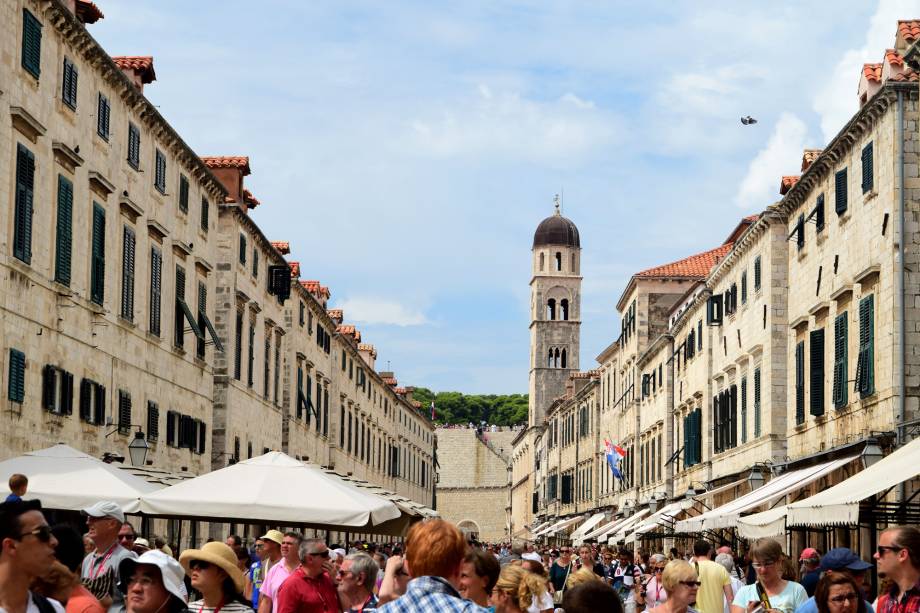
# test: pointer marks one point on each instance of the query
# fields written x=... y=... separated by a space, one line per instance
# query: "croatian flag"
x=614 y=454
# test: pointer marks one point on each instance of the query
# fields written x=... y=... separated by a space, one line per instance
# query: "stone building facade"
x=785 y=347
x=141 y=298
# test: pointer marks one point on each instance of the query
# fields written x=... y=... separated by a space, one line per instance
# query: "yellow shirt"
x=711 y=595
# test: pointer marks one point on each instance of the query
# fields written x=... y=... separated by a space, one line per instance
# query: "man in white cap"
x=153 y=583
x=100 y=568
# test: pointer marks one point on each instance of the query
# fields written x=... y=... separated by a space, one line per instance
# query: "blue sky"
x=408 y=150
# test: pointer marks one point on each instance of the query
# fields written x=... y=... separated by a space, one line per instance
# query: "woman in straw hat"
x=215 y=574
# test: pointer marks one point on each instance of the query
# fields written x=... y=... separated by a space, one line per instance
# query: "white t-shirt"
x=33 y=608
x=542 y=603
x=786 y=601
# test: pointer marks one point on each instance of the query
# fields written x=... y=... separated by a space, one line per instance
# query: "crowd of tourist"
x=109 y=569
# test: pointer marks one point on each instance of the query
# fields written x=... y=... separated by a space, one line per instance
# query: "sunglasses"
x=199 y=565
x=881 y=549
x=126 y=537
x=851 y=597
x=692 y=583
x=659 y=569
x=762 y=564
x=42 y=533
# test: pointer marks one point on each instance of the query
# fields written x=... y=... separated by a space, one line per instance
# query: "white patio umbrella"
x=272 y=488
x=64 y=478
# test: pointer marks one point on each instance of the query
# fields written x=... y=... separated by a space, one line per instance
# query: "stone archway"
x=470 y=529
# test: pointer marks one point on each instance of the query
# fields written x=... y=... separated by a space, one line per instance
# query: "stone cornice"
x=56 y=13
x=681 y=321
x=653 y=349
x=754 y=231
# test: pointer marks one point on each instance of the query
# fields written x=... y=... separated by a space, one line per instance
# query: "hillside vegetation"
x=458 y=408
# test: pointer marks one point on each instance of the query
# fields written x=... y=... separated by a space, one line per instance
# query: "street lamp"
x=871 y=454
x=138 y=449
x=755 y=479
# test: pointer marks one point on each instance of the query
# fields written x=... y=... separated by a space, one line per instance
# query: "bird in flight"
x=748 y=120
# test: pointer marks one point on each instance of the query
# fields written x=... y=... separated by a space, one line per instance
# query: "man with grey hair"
x=356 y=583
x=309 y=589
x=517 y=550
x=278 y=573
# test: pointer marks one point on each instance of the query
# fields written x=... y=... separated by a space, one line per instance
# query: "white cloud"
x=781 y=156
x=836 y=101
x=366 y=310
x=513 y=126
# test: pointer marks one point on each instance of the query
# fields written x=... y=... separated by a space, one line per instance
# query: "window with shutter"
x=867 y=181
x=819 y=213
x=156 y=289
x=744 y=419
x=31 y=43
x=86 y=400
x=49 y=387
x=127 y=274
x=717 y=423
x=800 y=232
x=202 y=318
x=699 y=335
x=124 y=412
x=171 y=428
x=63 y=244
x=134 y=146
x=103 y=116
x=202 y=437
x=714 y=310
x=238 y=338
x=97 y=263
x=840 y=361
x=326 y=412
x=159 y=175
x=744 y=287
x=252 y=354
x=865 y=365
x=183 y=314
x=800 y=382
x=204 y=214
x=153 y=421
x=277 y=372
x=66 y=397
x=69 y=85
x=255 y=261
x=25 y=191
x=733 y=417
x=816 y=376
x=99 y=404
x=243 y=249
x=756 y=402
x=840 y=191
x=757 y=274
x=183 y=193
x=236 y=449
x=266 y=356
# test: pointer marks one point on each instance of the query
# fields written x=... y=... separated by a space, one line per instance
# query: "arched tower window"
x=551 y=309
x=558 y=260
x=564 y=309
x=556 y=359
x=542 y=260
x=549 y=361
x=563 y=359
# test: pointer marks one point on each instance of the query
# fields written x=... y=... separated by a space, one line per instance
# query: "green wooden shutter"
x=66 y=393
x=238 y=356
x=840 y=361
x=86 y=396
x=16 y=381
x=242 y=249
x=103 y=112
x=134 y=146
x=757 y=273
x=159 y=174
x=97 y=264
x=717 y=423
x=840 y=191
x=49 y=382
x=183 y=193
x=204 y=214
x=744 y=422
x=867 y=181
x=99 y=405
x=156 y=288
x=127 y=274
x=819 y=213
x=865 y=378
x=202 y=316
x=733 y=417
x=25 y=188
x=31 y=43
x=64 y=238
x=800 y=382
x=69 y=85
x=179 y=314
x=816 y=376
x=756 y=402
x=124 y=412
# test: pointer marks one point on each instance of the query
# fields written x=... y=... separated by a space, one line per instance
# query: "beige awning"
x=727 y=515
x=633 y=520
x=561 y=525
x=601 y=531
x=838 y=505
x=720 y=489
x=667 y=515
x=592 y=521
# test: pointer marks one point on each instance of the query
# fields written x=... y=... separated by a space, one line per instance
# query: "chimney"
x=409 y=391
x=368 y=353
x=139 y=69
x=230 y=171
x=337 y=316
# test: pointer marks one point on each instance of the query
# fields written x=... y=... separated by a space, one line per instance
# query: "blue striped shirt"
x=430 y=595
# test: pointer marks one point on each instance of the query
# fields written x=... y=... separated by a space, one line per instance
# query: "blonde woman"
x=582 y=575
x=681 y=583
x=515 y=590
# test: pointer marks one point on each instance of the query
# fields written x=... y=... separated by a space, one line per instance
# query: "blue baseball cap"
x=842 y=558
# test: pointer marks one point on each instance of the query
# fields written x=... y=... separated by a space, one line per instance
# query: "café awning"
x=838 y=505
x=727 y=515
x=664 y=517
x=633 y=520
x=583 y=529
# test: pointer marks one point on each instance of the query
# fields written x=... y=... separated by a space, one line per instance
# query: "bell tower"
x=555 y=311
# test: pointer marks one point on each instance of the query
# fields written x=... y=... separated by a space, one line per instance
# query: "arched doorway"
x=470 y=529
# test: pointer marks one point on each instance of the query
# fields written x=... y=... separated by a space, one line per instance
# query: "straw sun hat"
x=218 y=554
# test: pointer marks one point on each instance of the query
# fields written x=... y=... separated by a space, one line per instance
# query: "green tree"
x=458 y=408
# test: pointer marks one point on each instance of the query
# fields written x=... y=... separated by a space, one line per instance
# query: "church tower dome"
x=555 y=311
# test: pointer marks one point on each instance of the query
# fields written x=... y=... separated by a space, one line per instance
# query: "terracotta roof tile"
x=368 y=348
x=228 y=161
x=909 y=29
x=808 y=157
x=250 y=200
x=400 y=390
x=283 y=247
x=336 y=313
x=345 y=329
x=893 y=57
x=391 y=381
x=751 y=218
x=87 y=12
x=310 y=286
x=142 y=64
x=417 y=404
x=295 y=269
x=873 y=72
x=696 y=266
x=788 y=183
x=907 y=75
x=325 y=291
